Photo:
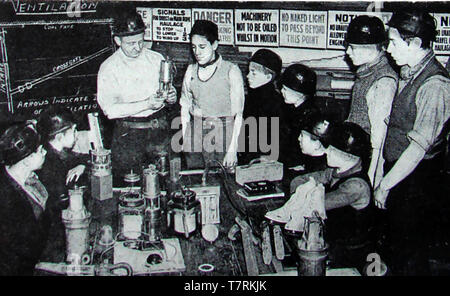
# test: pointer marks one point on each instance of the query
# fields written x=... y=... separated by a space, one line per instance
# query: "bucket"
x=312 y=263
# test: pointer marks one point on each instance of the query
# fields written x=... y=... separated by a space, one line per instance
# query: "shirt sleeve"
x=107 y=92
x=237 y=90
x=379 y=103
x=186 y=94
x=323 y=177
x=433 y=110
x=354 y=192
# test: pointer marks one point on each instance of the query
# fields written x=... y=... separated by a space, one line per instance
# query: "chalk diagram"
x=15 y=82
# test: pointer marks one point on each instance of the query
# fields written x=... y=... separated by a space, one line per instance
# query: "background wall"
x=53 y=36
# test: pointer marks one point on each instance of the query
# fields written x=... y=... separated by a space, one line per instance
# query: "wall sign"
x=338 y=22
x=222 y=17
x=146 y=14
x=257 y=27
x=171 y=25
x=442 y=44
x=300 y=28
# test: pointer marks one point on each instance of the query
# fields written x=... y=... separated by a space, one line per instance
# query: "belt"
x=153 y=121
x=140 y=125
x=208 y=122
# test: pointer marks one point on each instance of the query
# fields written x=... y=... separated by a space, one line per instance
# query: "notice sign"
x=303 y=28
x=146 y=13
x=338 y=22
x=223 y=18
x=442 y=44
x=256 y=27
x=171 y=25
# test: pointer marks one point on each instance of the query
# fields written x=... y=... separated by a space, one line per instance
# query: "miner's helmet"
x=300 y=78
x=128 y=24
x=414 y=23
x=366 y=29
x=54 y=120
x=17 y=142
x=318 y=125
x=268 y=59
x=351 y=138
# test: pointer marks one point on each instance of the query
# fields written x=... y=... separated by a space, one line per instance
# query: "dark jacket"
x=262 y=102
x=22 y=234
x=54 y=172
x=293 y=121
x=347 y=225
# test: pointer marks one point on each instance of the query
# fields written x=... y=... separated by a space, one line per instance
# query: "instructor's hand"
x=155 y=102
x=171 y=96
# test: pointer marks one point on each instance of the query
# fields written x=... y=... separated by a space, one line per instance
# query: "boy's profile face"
x=399 y=49
x=291 y=96
x=68 y=137
x=256 y=76
x=361 y=54
x=309 y=144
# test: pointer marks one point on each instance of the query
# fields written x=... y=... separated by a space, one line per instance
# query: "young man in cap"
x=127 y=86
x=298 y=87
x=212 y=102
x=263 y=104
x=348 y=194
x=415 y=142
x=62 y=166
x=375 y=85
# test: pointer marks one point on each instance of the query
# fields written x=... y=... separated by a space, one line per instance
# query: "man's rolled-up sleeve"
x=433 y=110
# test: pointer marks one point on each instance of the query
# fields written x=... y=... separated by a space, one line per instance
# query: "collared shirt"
x=34 y=189
x=122 y=79
x=432 y=103
x=236 y=92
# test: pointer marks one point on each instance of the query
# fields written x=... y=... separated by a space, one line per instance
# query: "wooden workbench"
x=227 y=256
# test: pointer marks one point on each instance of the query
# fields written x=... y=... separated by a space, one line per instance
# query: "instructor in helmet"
x=127 y=86
x=375 y=85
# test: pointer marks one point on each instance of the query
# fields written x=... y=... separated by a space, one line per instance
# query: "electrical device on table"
x=183 y=212
x=140 y=242
x=258 y=179
x=208 y=194
x=131 y=209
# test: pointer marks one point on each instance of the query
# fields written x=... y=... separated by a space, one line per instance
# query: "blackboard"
x=46 y=63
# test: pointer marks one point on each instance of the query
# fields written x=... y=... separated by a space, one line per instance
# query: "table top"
x=224 y=255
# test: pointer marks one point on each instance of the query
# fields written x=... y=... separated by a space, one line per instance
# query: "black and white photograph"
x=224 y=144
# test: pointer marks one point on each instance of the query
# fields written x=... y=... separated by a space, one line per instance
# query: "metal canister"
x=152 y=195
x=150 y=181
x=76 y=221
x=183 y=212
x=131 y=215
